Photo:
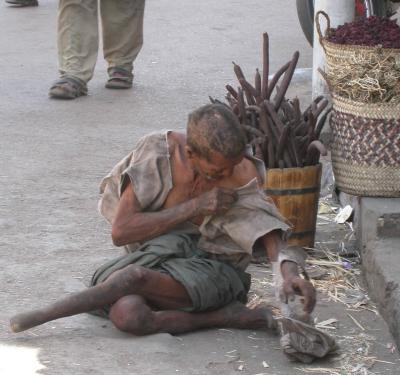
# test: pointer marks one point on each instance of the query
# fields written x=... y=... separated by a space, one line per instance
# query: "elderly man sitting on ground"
x=189 y=210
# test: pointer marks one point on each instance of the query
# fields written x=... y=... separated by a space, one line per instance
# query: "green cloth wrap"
x=209 y=282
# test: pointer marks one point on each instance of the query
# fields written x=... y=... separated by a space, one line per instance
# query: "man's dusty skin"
x=144 y=301
x=200 y=188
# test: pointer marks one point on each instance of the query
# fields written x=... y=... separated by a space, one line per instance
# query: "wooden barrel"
x=295 y=192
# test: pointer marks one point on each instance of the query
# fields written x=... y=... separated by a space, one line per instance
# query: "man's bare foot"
x=258 y=317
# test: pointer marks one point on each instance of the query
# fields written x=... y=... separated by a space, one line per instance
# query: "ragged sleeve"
x=148 y=169
x=252 y=216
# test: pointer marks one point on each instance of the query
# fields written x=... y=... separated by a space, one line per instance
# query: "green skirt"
x=209 y=282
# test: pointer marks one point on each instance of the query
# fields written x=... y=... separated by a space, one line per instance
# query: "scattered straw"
x=338 y=281
x=320 y=370
x=356 y=322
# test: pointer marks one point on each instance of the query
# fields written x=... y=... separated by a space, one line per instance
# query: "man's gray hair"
x=215 y=128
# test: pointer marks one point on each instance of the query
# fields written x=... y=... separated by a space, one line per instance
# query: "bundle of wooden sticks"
x=282 y=135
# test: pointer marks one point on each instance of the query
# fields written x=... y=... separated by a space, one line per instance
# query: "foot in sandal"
x=68 y=88
x=119 y=78
x=23 y=3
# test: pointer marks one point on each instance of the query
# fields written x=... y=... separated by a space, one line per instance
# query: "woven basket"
x=350 y=62
x=339 y=54
x=366 y=147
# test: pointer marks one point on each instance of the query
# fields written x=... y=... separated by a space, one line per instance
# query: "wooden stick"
x=267 y=130
x=275 y=79
x=322 y=105
x=258 y=85
x=241 y=105
x=282 y=142
x=274 y=116
x=232 y=91
x=287 y=79
x=297 y=111
x=249 y=90
x=264 y=90
x=314 y=149
x=239 y=74
x=293 y=150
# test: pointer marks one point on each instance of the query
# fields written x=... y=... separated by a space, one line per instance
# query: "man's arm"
x=132 y=225
x=292 y=282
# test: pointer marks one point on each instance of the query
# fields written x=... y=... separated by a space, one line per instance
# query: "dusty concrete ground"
x=54 y=153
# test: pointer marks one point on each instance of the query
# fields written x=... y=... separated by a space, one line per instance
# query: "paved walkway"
x=53 y=154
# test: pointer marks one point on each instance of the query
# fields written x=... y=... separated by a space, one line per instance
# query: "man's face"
x=217 y=168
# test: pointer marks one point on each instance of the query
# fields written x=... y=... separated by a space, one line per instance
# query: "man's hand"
x=294 y=284
x=215 y=201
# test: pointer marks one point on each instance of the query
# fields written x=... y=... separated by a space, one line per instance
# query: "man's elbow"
x=117 y=236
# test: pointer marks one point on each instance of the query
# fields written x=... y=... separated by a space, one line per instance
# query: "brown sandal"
x=68 y=88
x=23 y=3
x=119 y=78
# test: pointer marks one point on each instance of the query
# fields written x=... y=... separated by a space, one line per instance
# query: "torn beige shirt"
x=229 y=237
x=233 y=234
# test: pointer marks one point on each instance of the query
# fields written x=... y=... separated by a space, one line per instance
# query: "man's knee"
x=131 y=314
x=130 y=276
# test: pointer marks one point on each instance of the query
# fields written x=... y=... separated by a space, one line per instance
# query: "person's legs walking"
x=122 y=22
x=78 y=43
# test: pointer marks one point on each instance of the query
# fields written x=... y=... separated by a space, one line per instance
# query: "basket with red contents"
x=363 y=75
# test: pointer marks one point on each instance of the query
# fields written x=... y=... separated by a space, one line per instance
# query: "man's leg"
x=158 y=288
x=132 y=314
x=122 y=290
x=122 y=22
x=78 y=43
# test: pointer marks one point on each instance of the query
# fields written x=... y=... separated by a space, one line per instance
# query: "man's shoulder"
x=150 y=146
x=246 y=171
x=162 y=142
x=152 y=138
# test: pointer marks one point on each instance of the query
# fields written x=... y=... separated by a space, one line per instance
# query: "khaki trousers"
x=78 y=34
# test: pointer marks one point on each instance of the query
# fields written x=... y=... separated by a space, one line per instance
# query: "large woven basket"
x=346 y=63
x=340 y=54
x=366 y=147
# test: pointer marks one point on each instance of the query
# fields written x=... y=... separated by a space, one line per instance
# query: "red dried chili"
x=371 y=31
